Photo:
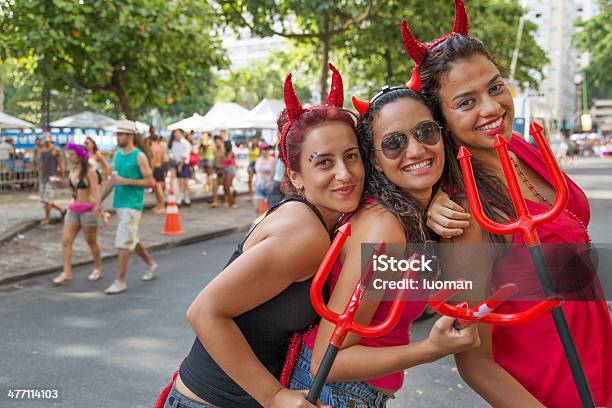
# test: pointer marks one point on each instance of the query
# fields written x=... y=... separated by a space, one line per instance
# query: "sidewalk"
x=21 y=211
x=40 y=251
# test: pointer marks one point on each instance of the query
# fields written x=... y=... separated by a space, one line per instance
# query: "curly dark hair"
x=438 y=62
x=406 y=208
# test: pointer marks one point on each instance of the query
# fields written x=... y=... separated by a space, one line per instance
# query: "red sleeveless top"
x=532 y=353
x=399 y=336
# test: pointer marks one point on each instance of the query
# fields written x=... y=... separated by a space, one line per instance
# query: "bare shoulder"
x=374 y=223
x=296 y=220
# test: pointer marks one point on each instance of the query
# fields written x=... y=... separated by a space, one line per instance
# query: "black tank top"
x=267 y=328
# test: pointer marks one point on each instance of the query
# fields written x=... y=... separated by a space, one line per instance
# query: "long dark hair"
x=93 y=142
x=83 y=162
x=406 y=208
x=438 y=62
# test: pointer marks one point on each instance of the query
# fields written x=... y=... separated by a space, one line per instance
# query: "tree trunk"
x=124 y=102
x=325 y=45
x=1 y=88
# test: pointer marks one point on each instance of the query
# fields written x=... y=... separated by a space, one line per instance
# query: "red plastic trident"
x=345 y=321
x=483 y=312
x=526 y=223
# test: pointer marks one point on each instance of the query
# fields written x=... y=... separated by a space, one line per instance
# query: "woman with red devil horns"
x=404 y=157
x=521 y=365
x=245 y=318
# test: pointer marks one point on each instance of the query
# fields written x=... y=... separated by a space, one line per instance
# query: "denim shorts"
x=338 y=395
x=177 y=400
x=86 y=219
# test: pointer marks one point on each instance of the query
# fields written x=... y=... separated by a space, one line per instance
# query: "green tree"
x=595 y=36
x=316 y=22
x=140 y=53
x=375 y=53
x=264 y=79
x=24 y=93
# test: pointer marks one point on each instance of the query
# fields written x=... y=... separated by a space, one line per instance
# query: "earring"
x=300 y=191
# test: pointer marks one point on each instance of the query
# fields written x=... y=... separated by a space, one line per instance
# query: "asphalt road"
x=120 y=351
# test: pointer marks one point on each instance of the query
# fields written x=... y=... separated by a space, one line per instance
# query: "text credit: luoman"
x=384 y=263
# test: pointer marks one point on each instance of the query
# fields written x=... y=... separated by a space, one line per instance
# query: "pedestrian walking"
x=229 y=173
x=83 y=212
x=158 y=154
x=264 y=170
x=51 y=173
x=254 y=152
x=276 y=195
x=97 y=160
x=179 y=150
x=219 y=155
x=207 y=156
x=132 y=174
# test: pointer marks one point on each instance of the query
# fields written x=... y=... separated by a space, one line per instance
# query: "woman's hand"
x=445 y=217
x=445 y=339
x=286 y=398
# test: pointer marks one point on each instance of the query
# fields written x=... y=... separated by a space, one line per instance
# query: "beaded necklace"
x=535 y=191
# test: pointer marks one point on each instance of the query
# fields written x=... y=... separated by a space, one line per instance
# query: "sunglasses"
x=393 y=146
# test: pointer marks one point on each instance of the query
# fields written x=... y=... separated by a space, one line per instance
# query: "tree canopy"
x=140 y=53
x=596 y=37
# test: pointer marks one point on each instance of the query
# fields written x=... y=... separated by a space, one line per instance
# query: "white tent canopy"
x=193 y=122
x=11 y=122
x=262 y=116
x=85 y=120
x=223 y=115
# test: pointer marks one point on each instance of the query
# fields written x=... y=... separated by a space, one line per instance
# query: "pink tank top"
x=399 y=336
x=532 y=353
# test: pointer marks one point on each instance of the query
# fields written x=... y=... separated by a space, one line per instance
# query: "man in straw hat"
x=131 y=175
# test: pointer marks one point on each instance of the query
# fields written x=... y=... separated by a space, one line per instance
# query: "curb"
x=18 y=229
x=153 y=248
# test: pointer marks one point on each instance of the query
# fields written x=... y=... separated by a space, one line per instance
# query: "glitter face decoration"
x=313 y=156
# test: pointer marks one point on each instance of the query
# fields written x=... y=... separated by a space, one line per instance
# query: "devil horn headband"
x=417 y=50
x=294 y=107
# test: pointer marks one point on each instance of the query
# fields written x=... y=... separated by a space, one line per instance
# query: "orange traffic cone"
x=264 y=207
x=172 y=225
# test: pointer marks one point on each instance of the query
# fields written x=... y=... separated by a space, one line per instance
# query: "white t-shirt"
x=264 y=170
x=180 y=151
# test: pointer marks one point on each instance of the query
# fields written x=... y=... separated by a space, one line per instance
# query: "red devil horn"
x=462 y=25
x=414 y=47
x=292 y=103
x=336 y=93
x=415 y=81
x=361 y=106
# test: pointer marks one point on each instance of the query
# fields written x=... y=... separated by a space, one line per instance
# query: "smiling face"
x=476 y=102
x=331 y=172
x=420 y=165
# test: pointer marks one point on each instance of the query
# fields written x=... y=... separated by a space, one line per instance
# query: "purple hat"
x=79 y=150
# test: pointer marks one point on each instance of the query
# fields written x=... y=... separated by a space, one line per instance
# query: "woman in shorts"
x=82 y=212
